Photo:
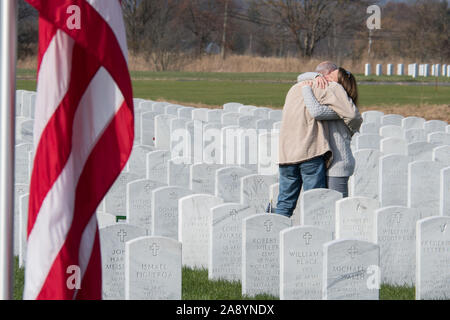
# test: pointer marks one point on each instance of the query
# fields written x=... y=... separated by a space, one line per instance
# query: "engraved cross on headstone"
x=307 y=236
x=148 y=188
x=443 y=227
x=352 y=251
x=154 y=248
x=122 y=234
x=268 y=224
x=233 y=214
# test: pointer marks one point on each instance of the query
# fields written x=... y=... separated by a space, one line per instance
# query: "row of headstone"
x=271 y=257
x=414 y=70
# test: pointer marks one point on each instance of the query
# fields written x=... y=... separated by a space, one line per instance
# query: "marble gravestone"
x=372 y=117
x=228 y=183
x=203 y=178
x=415 y=135
x=19 y=191
x=434 y=126
x=22 y=163
x=179 y=172
x=139 y=202
x=23 y=232
x=365 y=180
x=421 y=151
x=413 y=122
x=391 y=131
x=445 y=194
x=261 y=254
x=194 y=224
x=157 y=166
x=424 y=187
x=116 y=200
x=232 y=107
x=318 y=209
x=162 y=131
x=138 y=158
x=439 y=138
x=355 y=219
x=394 y=146
x=225 y=248
x=368 y=141
x=370 y=128
x=112 y=240
x=165 y=211
x=105 y=219
x=393 y=188
x=392 y=119
x=350 y=270
x=396 y=236
x=432 y=260
x=153 y=269
x=255 y=191
x=301 y=262
x=148 y=128
x=268 y=153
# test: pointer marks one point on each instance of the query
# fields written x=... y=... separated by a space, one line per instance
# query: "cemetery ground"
x=211 y=90
x=413 y=97
x=196 y=286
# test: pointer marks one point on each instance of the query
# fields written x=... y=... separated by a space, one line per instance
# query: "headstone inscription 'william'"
x=225 y=249
x=396 y=236
x=153 y=269
x=261 y=253
x=301 y=262
x=350 y=270
x=112 y=240
x=433 y=259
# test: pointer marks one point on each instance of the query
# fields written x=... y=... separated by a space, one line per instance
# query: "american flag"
x=84 y=132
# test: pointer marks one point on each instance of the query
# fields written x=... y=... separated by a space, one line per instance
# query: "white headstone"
x=261 y=113
x=261 y=254
x=157 y=166
x=394 y=146
x=445 y=194
x=194 y=224
x=153 y=269
x=255 y=191
x=247 y=110
x=112 y=240
x=148 y=128
x=105 y=219
x=392 y=119
x=228 y=183
x=22 y=163
x=367 y=69
x=379 y=69
x=370 y=128
x=268 y=153
x=413 y=123
x=390 y=69
x=203 y=178
x=368 y=141
x=439 y=138
x=393 y=180
x=162 y=131
x=200 y=114
x=232 y=107
x=276 y=115
x=421 y=151
x=301 y=262
x=434 y=126
x=396 y=236
x=138 y=160
x=433 y=256
x=116 y=200
x=23 y=225
x=400 y=69
x=247 y=122
x=372 y=117
x=424 y=187
x=225 y=248
x=391 y=131
x=139 y=202
x=350 y=270
x=165 y=211
x=415 y=135
x=355 y=219
x=365 y=180
x=318 y=209
x=231 y=119
x=215 y=115
x=179 y=172
x=185 y=113
x=442 y=155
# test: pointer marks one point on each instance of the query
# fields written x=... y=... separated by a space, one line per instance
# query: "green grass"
x=197 y=286
x=216 y=93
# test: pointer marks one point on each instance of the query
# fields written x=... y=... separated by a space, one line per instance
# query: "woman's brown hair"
x=348 y=81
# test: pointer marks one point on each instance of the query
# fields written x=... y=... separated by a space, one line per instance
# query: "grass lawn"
x=196 y=286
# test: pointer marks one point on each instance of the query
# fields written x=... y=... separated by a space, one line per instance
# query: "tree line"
x=165 y=31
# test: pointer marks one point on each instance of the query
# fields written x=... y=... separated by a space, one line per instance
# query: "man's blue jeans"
x=311 y=174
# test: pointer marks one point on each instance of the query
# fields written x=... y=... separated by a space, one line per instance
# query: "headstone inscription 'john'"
x=194 y=223
x=350 y=270
x=153 y=269
x=396 y=236
x=112 y=240
x=225 y=249
x=301 y=262
x=261 y=253
x=318 y=209
x=433 y=259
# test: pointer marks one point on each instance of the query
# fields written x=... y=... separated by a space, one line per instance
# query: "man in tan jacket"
x=304 y=151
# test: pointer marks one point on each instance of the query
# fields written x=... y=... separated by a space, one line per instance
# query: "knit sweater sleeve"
x=307 y=76
x=318 y=111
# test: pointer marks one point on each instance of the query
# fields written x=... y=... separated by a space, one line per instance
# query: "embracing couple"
x=320 y=117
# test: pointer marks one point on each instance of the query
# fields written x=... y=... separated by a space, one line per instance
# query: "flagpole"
x=8 y=38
